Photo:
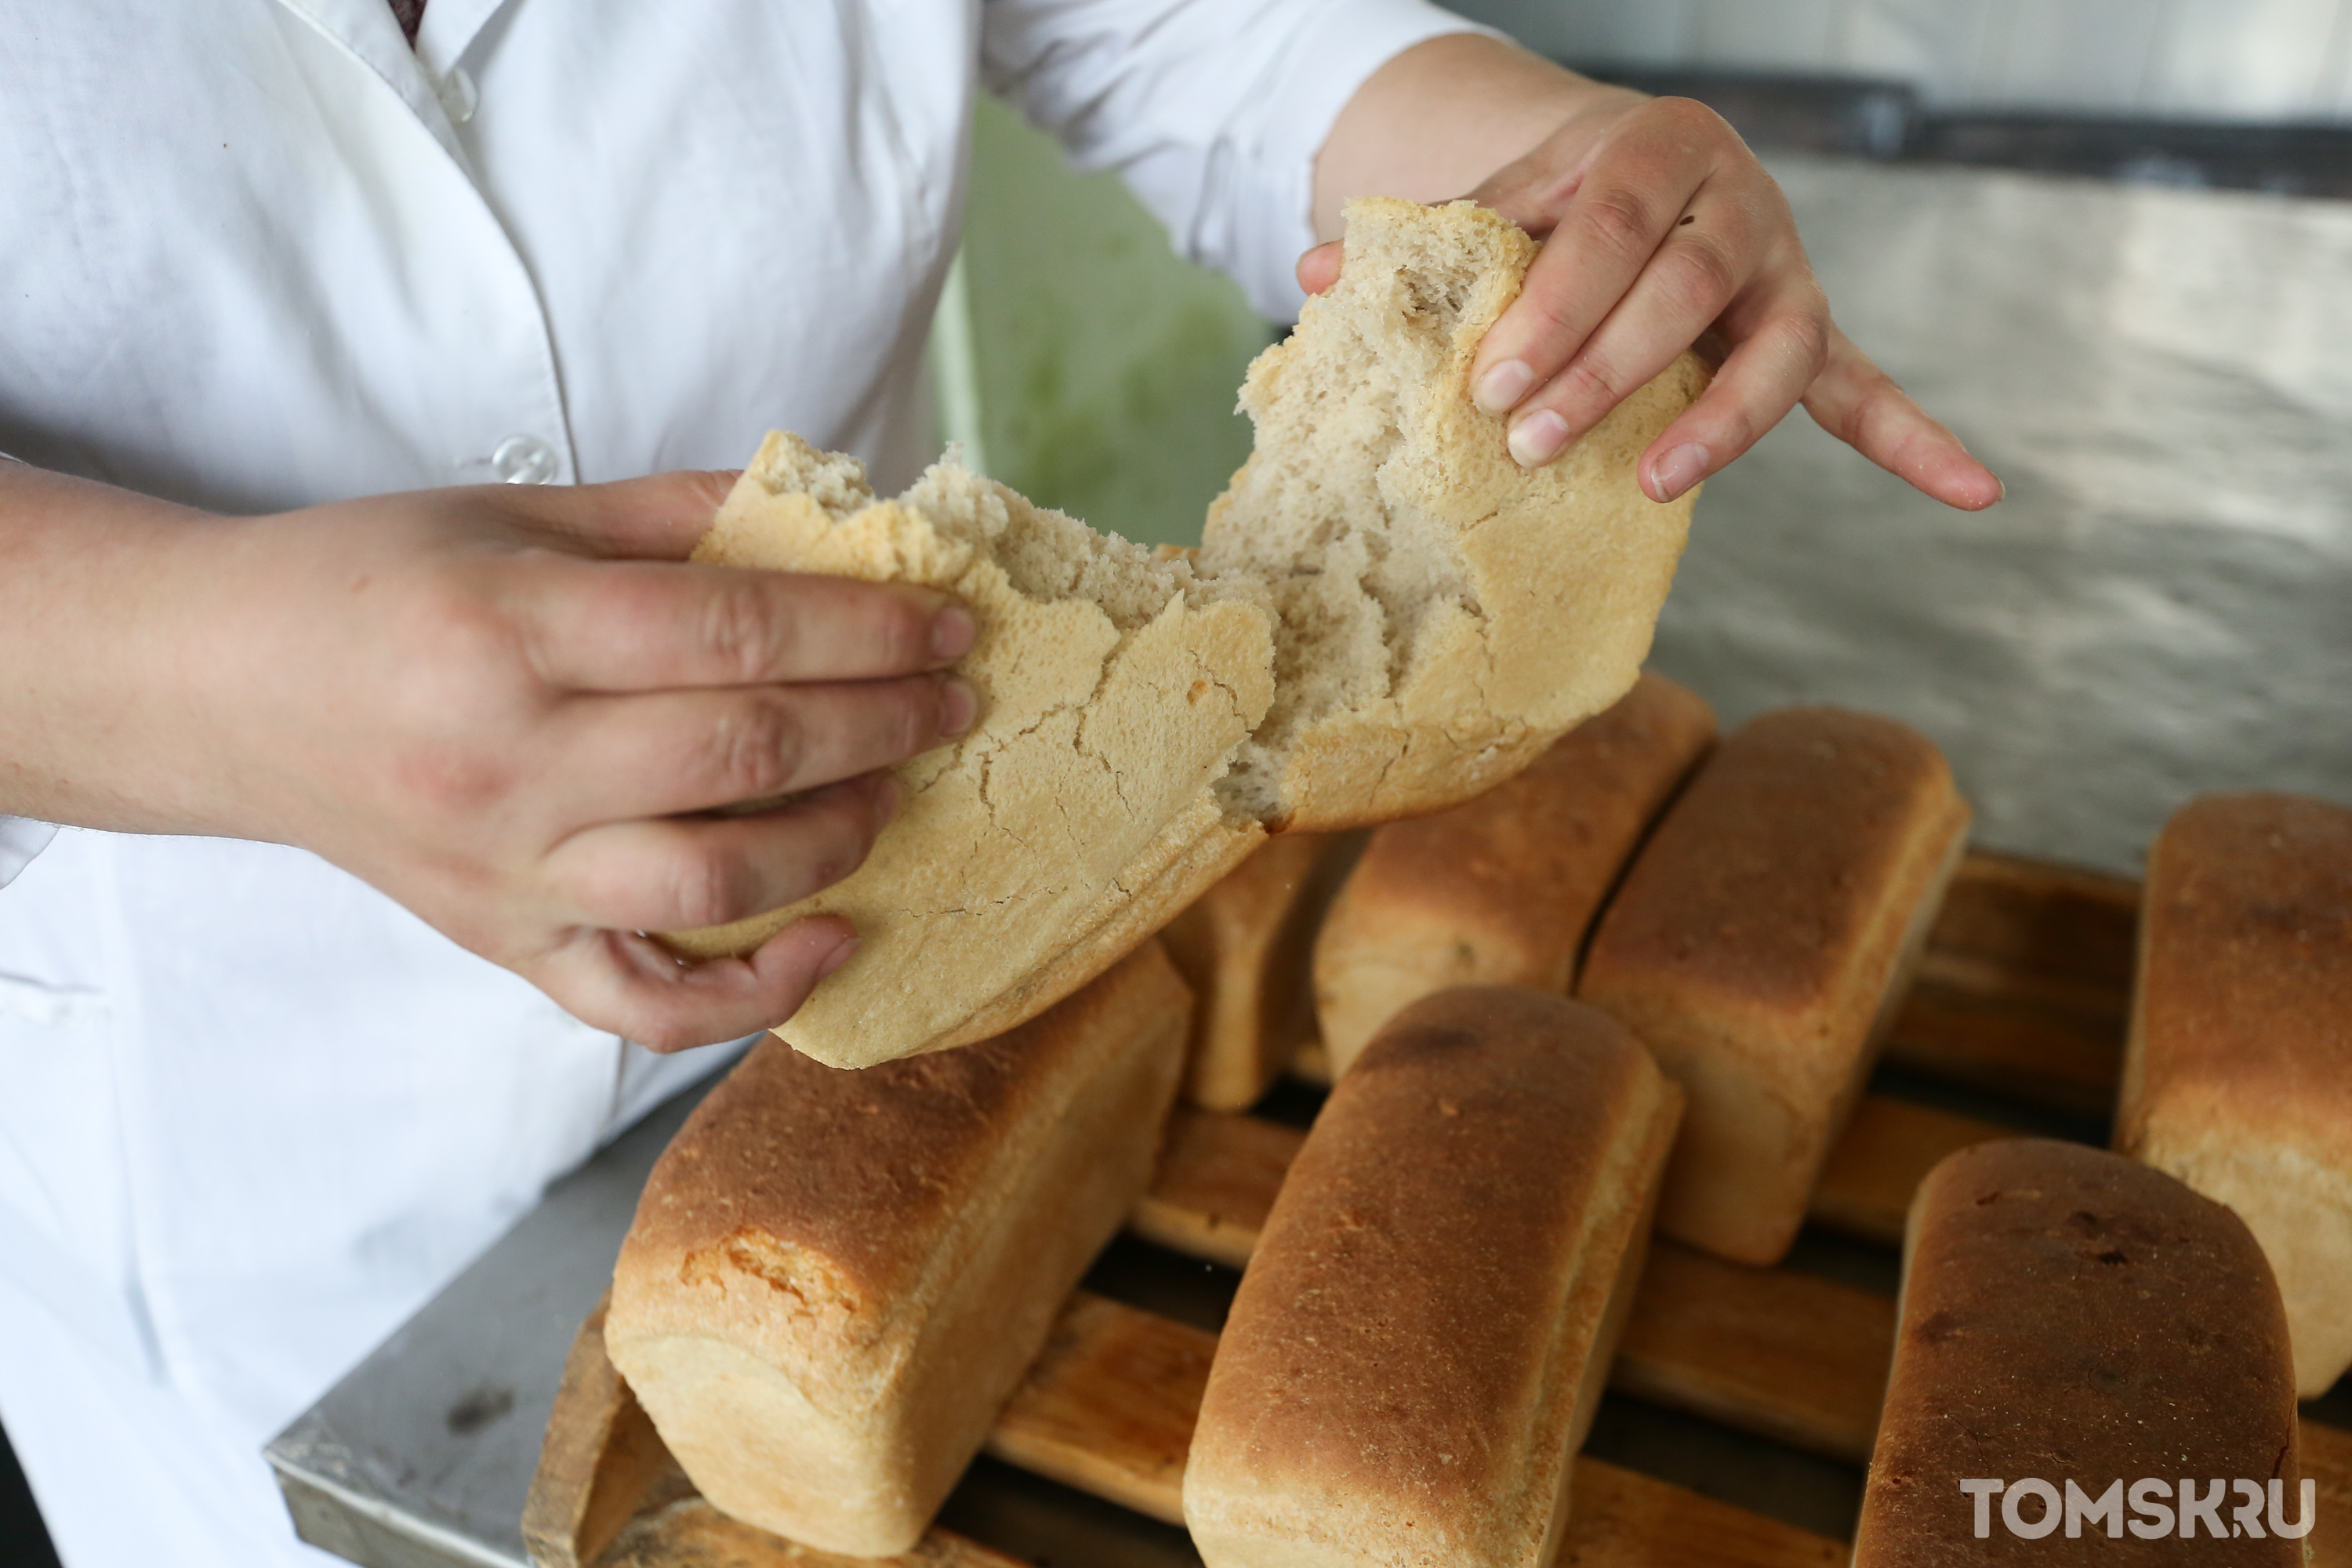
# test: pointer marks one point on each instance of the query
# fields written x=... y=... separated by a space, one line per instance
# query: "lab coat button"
x=458 y=96
x=524 y=461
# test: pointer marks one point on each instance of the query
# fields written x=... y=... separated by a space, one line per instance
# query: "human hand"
x=515 y=709
x=1661 y=229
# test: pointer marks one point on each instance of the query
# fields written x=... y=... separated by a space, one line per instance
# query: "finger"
x=666 y=752
x=633 y=987
x=1753 y=390
x=1623 y=208
x=638 y=625
x=1860 y=404
x=678 y=873
x=659 y=517
x=1694 y=275
x=1320 y=268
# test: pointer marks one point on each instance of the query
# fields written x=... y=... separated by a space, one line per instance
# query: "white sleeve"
x=21 y=838
x=1213 y=110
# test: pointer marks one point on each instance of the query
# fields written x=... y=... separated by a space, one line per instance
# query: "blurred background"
x=2108 y=241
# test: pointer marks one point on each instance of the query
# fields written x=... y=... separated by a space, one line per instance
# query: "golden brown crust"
x=1759 y=944
x=1243 y=946
x=1499 y=890
x=1407 y=1352
x=833 y=1277
x=2070 y=1314
x=2239 y=1076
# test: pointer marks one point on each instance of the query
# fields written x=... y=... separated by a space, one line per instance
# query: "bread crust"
x=2069 y=1314
x=2238 y=1075
x=1072 y=822
x=1500 y=891
x=1415 y=1352
x=1244 y=947
x=1760 y=945
x=835 y=1279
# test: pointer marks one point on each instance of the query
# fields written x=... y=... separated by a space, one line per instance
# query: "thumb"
x=657 y=518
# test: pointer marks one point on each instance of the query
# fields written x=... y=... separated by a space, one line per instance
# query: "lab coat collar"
x=450 y=30
x=366 y=31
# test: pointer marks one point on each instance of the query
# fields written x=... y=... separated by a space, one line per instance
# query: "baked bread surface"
x=835 y=1278
x=1417 y=1346
x=1759 y=946
x=1500 y=891
x=2238 y=1077
x=2070 y=1314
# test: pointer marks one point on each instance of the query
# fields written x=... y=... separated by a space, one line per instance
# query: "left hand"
x=1661 y=228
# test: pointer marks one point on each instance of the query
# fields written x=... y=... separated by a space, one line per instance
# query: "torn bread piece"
x=1075 y=818
x=1445 y=614
x=835 y=1279
x=1387 y=616
x=1500 y=891
x=1422 y=1336
x=2238 y=1077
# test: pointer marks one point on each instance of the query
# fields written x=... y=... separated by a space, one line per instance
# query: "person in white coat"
x=371 y=767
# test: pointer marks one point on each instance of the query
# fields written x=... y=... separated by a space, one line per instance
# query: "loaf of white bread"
x=2238 y=1077
x=835 y=1279
x=1387 y=615
x=2069 y=1316
x=1760 y=944
x=1500 y=891
x=1243 y=947
x=1417 y=1347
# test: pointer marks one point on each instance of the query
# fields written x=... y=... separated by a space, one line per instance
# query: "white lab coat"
x=258 y=254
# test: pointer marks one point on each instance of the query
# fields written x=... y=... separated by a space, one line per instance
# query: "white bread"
x=1387 y=616
x=2238 y=1076
x=1500 y=891
x=2069 y=1315
x=1244 y=947
x=1760 y=944
x=835 y=1278
x=1422 y=1336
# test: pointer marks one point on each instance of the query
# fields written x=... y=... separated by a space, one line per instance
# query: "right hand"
x=510 y=709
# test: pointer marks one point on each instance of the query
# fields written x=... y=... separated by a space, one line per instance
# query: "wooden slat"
x=1109 y=1409
x=2327 y=1454
x=1788 y=1356
x=1218 y=1173
x=1886 y=1152
x=601 y=1464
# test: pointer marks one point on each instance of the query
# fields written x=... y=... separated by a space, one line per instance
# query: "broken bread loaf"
x=1420 y=1342
x=1387 y=616
x=835 y=1279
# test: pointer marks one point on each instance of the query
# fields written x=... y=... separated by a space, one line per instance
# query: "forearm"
x=1440 y=118
x=94 y=680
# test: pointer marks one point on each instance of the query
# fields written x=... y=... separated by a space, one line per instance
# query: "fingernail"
x=959 y=705
x=1536 y=439
x=1500 y=390
x=837 y=957
x=1679 y=469
x=952 y=631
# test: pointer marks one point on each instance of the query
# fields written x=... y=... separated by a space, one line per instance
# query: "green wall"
x=1076 y=356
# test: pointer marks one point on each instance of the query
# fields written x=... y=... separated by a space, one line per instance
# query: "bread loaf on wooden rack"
x=1760 y=945
x=1500 y=891
x=1422 y=1336
x=1387 y=615
x=835 y=1279
x=2238 y=1076
x=2070 y=1316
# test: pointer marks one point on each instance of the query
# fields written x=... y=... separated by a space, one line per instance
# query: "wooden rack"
x=2023 y=993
